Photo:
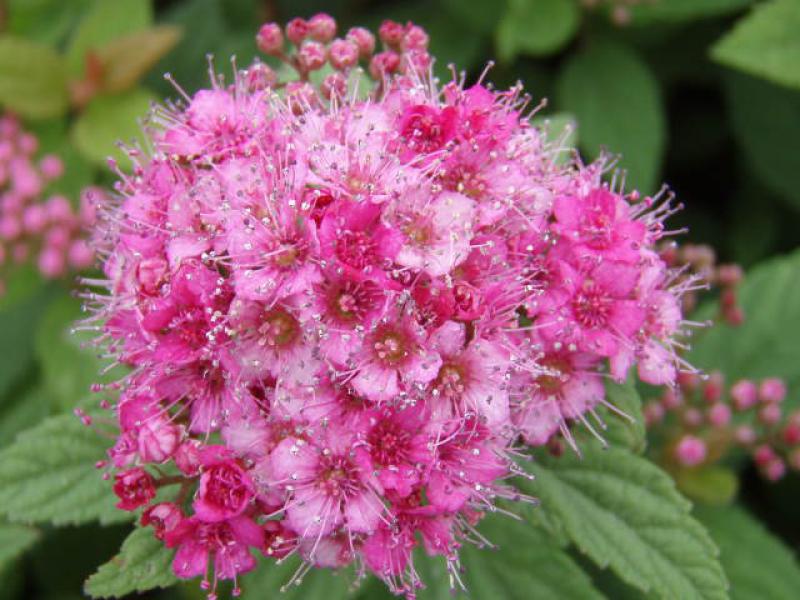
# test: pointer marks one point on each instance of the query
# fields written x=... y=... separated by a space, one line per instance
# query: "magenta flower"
x=367 y=302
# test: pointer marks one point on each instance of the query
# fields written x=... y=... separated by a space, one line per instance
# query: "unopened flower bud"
x=690 y=451
x=415 y=38
x=383 y=64
x=270 y=39
x=322 y=27
x=260 y=77
x=744 y=394
x=713 y=387
x=391 y=33
x=763 y=455
x=297 y=30
x=334 y=84
x=770 y=414
x=343 y=54
x=772 y=390
x=719 y=414
x=774 y=470
x=728 y=275
x=363 y=39
x=653 y=413
x=745 y=435
x=312 y=56
x=688 y=381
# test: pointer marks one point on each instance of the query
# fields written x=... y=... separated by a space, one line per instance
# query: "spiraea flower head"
x=368 y=300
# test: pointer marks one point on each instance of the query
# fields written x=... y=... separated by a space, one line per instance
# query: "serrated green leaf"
x=766 y=123
x=626 y=429
x=526 y=565
x=108 y=120
x=32 y=79
x=126 y=59
x=680 y=11
x=14 y=541
x=106 y=21
x=21 y=411
x=68 y=367
x=143 y=563
x=617 y=102
x=48 y=476
x=536 y=27
x=757 y=563
x=765 y=345
x=624 y=512
x=319 y=584
x=765 y=43
x=710 y=484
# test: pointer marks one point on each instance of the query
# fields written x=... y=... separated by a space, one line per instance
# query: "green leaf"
x=68 y=368
x=624 y=512
x=48 y=475
x=47 y=21
x=108 y=120
x=679 y=11
x=621 y=431
x=757 y=563
x=536 y=27
x=16 y=344
x=525 y=565
x=143 y=563
x=14 y=541
x=21 y=411
x=104 y=22
x=765 y=43
x=617 y=102
x=319 y=584
x=765 y=344
x=32 y=79
x=710 y=484
x=766 y=123
x=478 y=15
x=126 y=59
x=207 y=33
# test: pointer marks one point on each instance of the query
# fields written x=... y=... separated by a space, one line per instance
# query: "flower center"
x=591 y=306
x=389 y=444
x=278 y=329
x=355 y=249
x=391 y=347
x=451 y=381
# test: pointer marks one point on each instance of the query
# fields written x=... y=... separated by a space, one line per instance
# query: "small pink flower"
x=134 y=488
x=225 y=490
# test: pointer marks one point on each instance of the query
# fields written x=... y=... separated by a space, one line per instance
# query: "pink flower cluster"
x=48 y=230
x=343 y=313
x=704 y=422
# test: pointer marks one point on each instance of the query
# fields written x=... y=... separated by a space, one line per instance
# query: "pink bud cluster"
x=316 y=46
x=700 y=260
x=342 y=317
x=46 y=230
x=705 y=420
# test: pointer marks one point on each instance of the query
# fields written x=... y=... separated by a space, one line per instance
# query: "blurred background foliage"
x=701 y=94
